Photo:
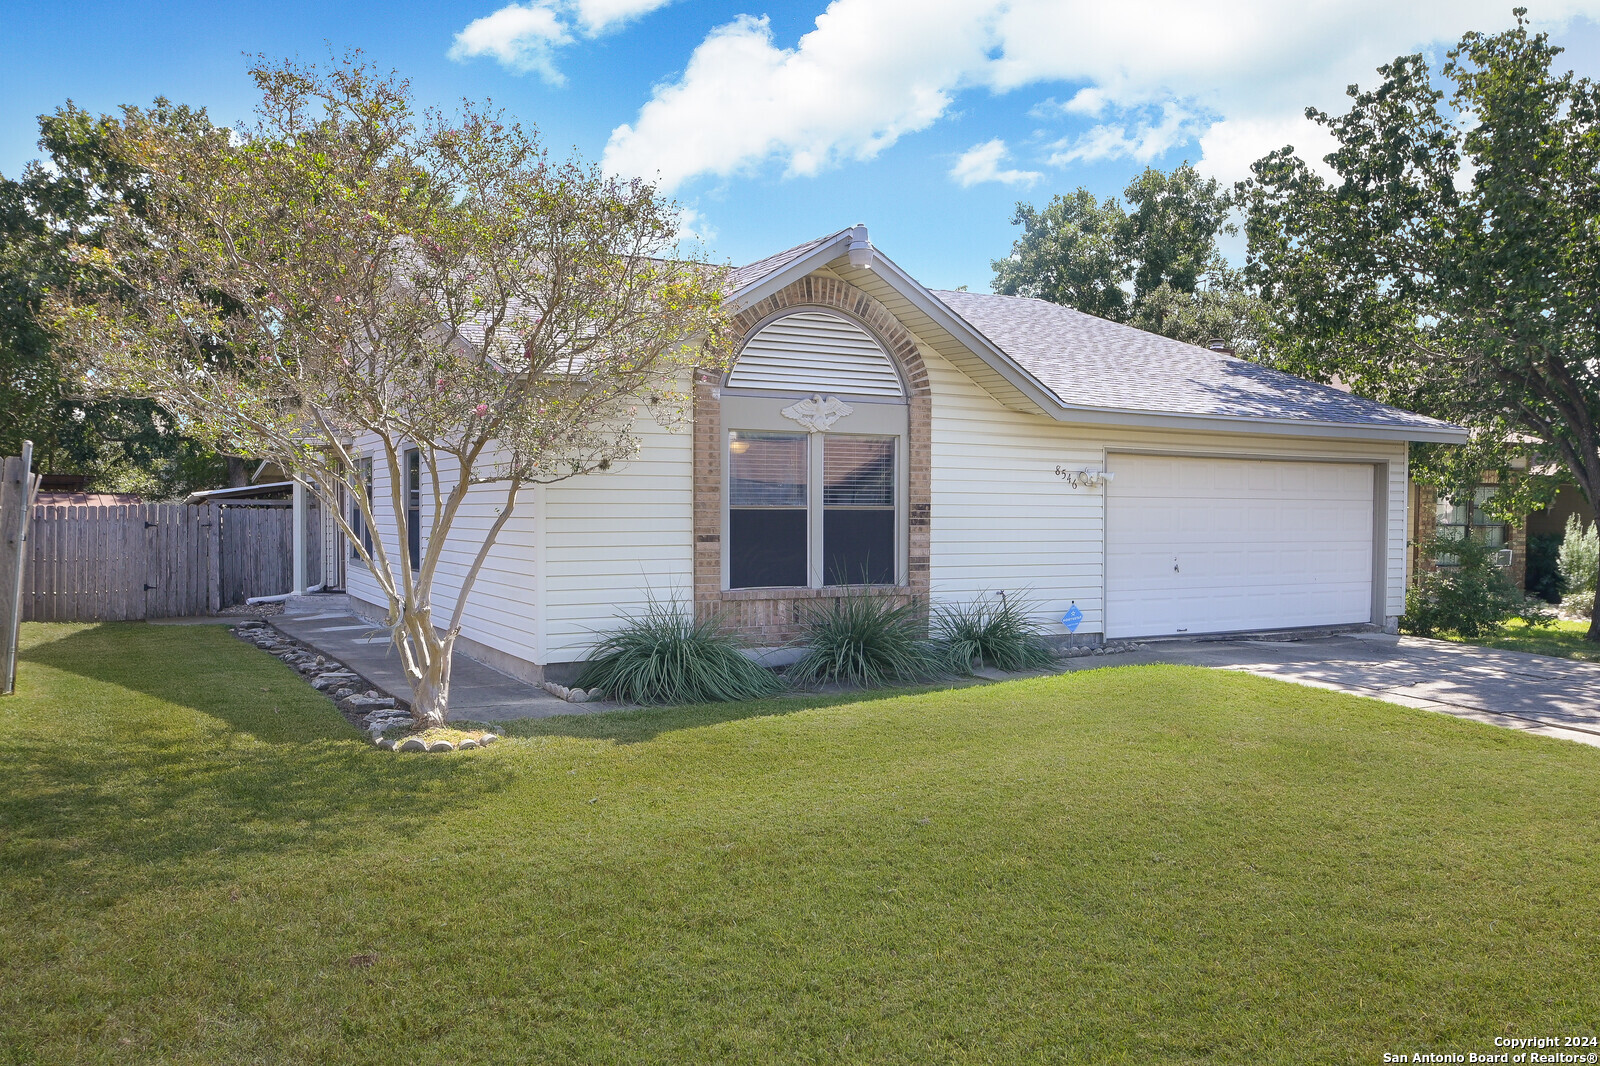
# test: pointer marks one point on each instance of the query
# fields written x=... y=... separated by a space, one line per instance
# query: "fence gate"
x=115 y=563
x=257 y=550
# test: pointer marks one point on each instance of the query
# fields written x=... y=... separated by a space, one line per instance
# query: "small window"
x=413 y=468
x=358 y=521
x=1457 y=520
x=858 y=510
x=767 y=514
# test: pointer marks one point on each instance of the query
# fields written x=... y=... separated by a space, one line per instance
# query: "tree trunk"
x=238 y=472
x=1594 y=619
x=430 y=685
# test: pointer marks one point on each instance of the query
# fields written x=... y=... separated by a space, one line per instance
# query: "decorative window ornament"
x=818 y=414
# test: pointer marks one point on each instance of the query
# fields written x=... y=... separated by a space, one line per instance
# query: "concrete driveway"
x=1551 y=697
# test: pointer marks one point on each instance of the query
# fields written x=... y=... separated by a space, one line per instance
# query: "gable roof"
x=752 y=274
x=1085 y=360
x=1074 y=367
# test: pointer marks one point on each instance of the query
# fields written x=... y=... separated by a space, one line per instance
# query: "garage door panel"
x=1258 y=544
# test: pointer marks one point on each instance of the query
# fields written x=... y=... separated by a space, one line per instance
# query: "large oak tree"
x=1452 y=262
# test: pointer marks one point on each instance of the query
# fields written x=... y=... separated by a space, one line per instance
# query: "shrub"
x=1579 y=559
x=990 y=631
x=865 y=639
x=1472 y=599
x=666 y=656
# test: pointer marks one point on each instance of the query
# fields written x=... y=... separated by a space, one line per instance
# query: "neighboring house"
x=952 y=445
x=1530 y=561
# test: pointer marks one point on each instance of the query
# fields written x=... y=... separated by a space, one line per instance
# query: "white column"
x=299 y=549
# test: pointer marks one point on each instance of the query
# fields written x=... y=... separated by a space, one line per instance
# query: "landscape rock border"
x=363 y=705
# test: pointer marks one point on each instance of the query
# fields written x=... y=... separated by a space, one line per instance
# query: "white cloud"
x=524 y=37
x=1229 y=146
x=870 y=73
x=521 y=36
x=981 y=163
x=600 y=16
x=1136 y=138
x=873 y=71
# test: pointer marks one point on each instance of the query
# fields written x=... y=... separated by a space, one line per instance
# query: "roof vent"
x=860 y=249
x=1218 y=345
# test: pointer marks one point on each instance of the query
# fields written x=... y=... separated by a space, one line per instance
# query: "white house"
x=951 y=445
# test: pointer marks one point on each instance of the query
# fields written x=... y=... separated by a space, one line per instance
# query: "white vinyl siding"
x=1002 y=520
x=501 y=611
x=575 y=557
x=816 y=352
x=615 y=539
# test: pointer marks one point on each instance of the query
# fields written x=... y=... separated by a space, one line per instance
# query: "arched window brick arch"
x=772 y=616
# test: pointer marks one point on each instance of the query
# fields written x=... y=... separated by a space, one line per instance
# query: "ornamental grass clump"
x=866 y=639
x=666 y=656
x=991 y=631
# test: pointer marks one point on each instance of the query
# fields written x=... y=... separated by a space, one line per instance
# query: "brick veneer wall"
x=773 y=616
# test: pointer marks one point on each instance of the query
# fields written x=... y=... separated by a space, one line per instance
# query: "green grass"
x=1565 y=640
x=1133 y=865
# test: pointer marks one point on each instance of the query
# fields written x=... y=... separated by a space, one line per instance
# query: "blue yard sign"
x=1072 y=618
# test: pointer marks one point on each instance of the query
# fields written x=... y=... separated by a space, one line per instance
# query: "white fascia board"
x=789 y=272
x=1047 y=402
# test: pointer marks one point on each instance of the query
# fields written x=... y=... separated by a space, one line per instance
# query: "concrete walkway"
x=477 y=693
x=1536 y=693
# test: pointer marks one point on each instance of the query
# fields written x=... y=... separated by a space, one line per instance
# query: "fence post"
x=214 y=562
x=16 y=500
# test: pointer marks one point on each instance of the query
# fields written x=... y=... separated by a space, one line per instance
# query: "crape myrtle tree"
x=344 y=278
x=1452 y=262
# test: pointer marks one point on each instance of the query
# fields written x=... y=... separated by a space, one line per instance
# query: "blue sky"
x=775 y=122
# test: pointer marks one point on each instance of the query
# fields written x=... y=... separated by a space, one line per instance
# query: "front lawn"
x=1562 y=639
x=200 y=862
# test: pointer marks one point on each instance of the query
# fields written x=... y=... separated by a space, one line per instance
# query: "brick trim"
x=768 y=617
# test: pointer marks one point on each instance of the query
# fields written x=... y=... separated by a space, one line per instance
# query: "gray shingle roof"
x=752 y=273
x=1090 y=362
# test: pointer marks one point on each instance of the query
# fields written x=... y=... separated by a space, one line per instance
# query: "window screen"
x=858 y=510
x=766 y=509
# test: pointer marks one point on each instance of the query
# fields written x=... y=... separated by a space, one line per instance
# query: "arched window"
x=814 y=431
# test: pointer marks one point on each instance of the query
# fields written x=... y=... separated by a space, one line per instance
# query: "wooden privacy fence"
x=108 y=563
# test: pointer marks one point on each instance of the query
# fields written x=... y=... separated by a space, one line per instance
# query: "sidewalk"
x=477 y=693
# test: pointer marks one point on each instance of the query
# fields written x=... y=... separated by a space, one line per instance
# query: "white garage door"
x=1221 y=545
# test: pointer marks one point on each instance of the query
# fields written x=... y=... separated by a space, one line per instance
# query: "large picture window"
x=808 y=509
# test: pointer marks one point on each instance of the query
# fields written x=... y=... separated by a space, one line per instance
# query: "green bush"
x=1579 y=559
x=666 y=656
x=1472 y=599
x=865 y=639
x=993 y=631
